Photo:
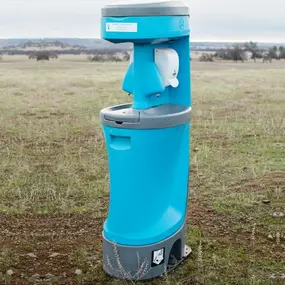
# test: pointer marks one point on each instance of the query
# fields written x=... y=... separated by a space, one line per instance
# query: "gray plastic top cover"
x=160 y=117
x=141 y=9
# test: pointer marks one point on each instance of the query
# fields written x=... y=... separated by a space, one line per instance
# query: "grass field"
x=54 y=175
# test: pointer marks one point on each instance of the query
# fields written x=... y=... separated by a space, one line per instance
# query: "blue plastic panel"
x=148 y=183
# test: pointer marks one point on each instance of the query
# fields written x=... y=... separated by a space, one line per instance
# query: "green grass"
x=54 y=164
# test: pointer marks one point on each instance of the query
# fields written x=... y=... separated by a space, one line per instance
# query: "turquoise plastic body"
x=148 y=183
x=149 y=168
x=143 y=79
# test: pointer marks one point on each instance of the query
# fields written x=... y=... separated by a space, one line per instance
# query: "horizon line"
x=193 y=41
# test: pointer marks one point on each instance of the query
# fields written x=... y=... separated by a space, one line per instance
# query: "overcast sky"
x=211 y=20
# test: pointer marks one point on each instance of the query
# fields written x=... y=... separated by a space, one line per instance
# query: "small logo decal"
x=182 y=24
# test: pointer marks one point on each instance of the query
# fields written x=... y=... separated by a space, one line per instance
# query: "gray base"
x=139 y=263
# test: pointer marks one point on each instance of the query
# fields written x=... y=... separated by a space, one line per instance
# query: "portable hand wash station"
x=148 y=141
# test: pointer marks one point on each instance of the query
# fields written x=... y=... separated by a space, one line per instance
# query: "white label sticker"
x=158 y=256
x=122 y=27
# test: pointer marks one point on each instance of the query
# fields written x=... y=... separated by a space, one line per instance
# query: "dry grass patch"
x=54 y=172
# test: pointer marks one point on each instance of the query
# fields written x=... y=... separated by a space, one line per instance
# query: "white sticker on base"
x=122 y=27
x=158 y=256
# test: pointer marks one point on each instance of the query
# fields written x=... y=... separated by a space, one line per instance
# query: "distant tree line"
x=96 y=57
x=62 y=52
x=246 y=51
x=43 y=55
x=109 y=56
x=207 y=57
x=93 y=56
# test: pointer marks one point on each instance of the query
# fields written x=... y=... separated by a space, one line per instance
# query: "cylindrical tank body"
x=148 y=141
x=148 y=183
